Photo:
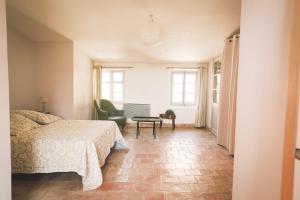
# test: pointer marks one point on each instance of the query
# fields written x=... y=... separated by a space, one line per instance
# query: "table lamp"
x=44 y=100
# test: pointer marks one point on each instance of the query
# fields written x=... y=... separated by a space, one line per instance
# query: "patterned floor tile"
x=182 y=164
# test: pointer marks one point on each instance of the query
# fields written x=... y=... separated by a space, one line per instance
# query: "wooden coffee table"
x=145 y=119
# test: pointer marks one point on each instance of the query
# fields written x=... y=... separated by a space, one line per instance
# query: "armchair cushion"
x=119 y=113
x=120 y=120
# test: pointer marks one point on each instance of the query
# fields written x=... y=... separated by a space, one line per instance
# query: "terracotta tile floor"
x=181 y=164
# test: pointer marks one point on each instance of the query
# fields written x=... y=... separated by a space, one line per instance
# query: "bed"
x=79 y=146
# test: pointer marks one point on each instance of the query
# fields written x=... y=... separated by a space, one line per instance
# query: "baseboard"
x=185 y=125
x=208 y=128
x=213 y=131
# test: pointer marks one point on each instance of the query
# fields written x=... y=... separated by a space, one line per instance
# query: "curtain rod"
x=117 y=67
x=185 y=67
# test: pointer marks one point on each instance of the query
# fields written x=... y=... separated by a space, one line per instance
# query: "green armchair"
x=107 y=111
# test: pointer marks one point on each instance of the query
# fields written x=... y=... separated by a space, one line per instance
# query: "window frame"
x=111 y=83
x=216 y=88
x=183 y=103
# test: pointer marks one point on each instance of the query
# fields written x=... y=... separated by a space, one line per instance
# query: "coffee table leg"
x=154 y=130
x=173 y=124
x=137 y=129
x=160 y=123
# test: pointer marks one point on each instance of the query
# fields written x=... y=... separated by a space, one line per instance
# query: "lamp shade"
x=43 y=99
x=151 y=32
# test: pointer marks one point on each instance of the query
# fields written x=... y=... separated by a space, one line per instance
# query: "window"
x=112 y=85
x=216 y=81
x=183 y=88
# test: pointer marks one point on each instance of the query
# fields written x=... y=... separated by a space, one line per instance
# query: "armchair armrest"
x=119 y=112
x=102 y=114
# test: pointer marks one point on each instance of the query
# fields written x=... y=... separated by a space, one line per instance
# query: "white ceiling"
x=109 y=30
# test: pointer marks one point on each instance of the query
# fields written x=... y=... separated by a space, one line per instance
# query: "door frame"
x=291 y=119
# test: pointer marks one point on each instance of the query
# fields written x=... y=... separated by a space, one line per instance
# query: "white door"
x=297 y=165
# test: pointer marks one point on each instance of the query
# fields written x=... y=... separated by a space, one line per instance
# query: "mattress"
x=79 y=146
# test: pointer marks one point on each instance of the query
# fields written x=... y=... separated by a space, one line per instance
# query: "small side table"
x=171 y=117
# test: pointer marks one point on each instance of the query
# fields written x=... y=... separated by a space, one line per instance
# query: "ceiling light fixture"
x=151 y=32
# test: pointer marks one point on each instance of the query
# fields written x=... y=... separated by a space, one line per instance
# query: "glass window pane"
x=177 y=88
x=118 y=76
x=105 y=77
x=218 y=97
x=189 y=98
x=190 y=78
x=118 y=87
x=214 y=95
x=217 y=67
x=177 y=78
x=105 y=87
x=117 y=96
x=219 y=70
x=219 y=80
x=215 y=83
x=190 y=88
x=177 y=98
x=105 y=95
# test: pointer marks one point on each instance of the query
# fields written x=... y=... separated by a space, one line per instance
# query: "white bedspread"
x=66 y=145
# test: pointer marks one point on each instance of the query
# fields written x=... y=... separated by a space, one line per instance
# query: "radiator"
x=135 y=109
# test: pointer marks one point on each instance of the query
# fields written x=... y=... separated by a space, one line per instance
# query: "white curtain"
x=227 y=106
x=96 y=87
x=202 y=98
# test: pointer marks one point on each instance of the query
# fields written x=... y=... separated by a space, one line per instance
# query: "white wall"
x=22 y=71
x=5 y=169
x=61 y=71
x=261 y=99
x=55 y=76
x=82 y=84
x=150 y=83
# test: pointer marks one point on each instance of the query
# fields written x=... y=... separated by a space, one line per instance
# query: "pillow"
x=38 y=117
x=20 y=124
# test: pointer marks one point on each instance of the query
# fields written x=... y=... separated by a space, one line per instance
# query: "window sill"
x=183 y=106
